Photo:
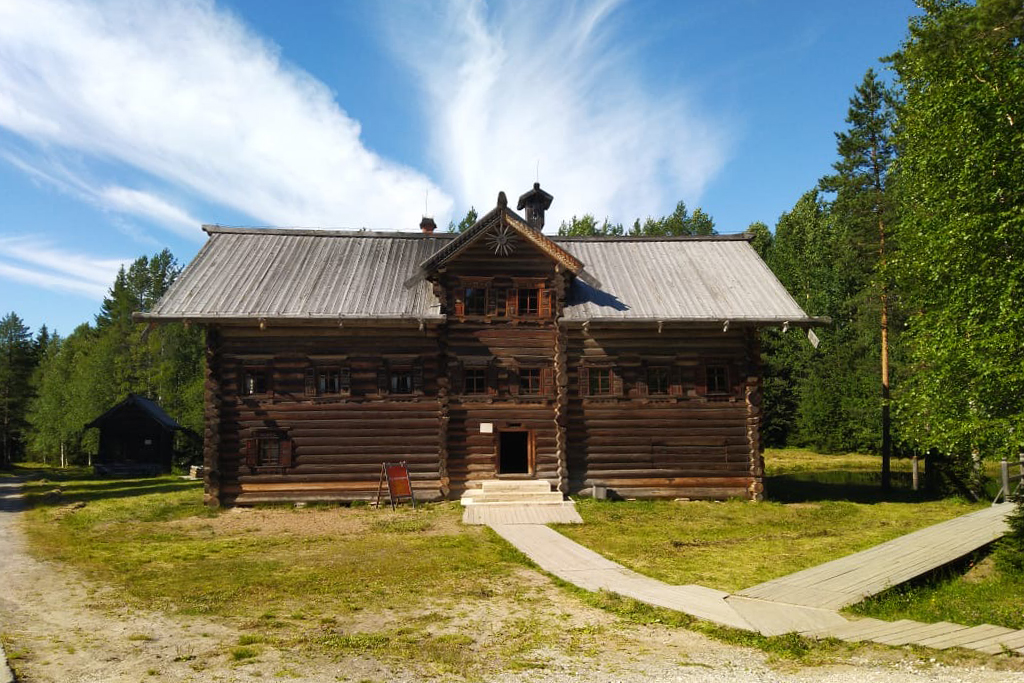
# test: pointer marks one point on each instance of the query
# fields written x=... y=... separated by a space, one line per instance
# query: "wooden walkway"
x=805 y=602
x=850 y=579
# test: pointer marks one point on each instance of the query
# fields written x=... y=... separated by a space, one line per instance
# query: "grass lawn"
x=418 y=586
x=832 y=508
x=412 y=586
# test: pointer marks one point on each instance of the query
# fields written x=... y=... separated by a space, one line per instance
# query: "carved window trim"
x=328 y=380
x=400 y=376
x=268 y=450
x=599 y=380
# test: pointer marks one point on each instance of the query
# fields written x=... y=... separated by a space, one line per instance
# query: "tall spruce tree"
x=863 y=211
x=17 y=361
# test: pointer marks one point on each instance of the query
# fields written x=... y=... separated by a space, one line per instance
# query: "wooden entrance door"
x=515 y=452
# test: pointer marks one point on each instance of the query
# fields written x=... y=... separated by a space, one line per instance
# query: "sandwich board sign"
x=396 y=476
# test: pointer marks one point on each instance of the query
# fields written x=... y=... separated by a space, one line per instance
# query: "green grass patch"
x=972 y=594
x=239 y=654
x=736 y=544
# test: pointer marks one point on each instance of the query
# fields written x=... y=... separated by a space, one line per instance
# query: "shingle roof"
x=302 y=274
x=246 y=274
x=694 y=279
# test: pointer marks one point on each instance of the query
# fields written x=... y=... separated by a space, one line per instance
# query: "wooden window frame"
x=253 y=448
x=585 y=380
x=711 y=367
x=247 y=372
x=480 y=373
x=316 y=386
x=529 y=381
x=388 y=371
x=461 y=294
x=665 y=372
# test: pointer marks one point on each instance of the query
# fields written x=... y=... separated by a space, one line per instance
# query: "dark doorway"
x=514 y=452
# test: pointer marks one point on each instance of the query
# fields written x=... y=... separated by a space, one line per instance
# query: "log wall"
x=338 y=442
x=683 y=444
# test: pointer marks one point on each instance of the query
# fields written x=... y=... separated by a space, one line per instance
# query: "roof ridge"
x=727 y=237
x=318 y=232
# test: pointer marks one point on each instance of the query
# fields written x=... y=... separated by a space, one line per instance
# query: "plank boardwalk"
x=850 y=579
x=804 y=602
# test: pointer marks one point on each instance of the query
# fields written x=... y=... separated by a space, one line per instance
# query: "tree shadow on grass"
x=855 y=487
x=65 y=493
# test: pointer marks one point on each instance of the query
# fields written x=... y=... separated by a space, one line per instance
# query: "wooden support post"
x=914 y=463
x=1004 y=473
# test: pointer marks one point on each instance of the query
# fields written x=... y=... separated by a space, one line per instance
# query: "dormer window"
x=476 y=301
x=529 y=300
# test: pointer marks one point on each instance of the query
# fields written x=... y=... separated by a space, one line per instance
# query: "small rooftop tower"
x=536 y=202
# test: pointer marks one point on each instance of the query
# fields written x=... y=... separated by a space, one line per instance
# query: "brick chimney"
x=536 y=202
x=427 y=225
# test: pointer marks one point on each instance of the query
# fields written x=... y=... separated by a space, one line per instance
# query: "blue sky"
x=126 y=124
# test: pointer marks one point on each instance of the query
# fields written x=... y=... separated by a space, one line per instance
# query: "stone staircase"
x=517 y=501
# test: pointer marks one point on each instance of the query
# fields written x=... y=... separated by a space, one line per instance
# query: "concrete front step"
x=515 y=514
x=514 y=497
x=524 y=485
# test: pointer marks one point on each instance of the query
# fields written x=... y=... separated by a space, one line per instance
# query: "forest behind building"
x=912 y=243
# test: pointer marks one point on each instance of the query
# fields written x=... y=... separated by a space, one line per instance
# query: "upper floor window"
x=658 y=380
x=717 y=379
x=255 y=381
x=530 y=381
x=403 y=376
x=600 y=382
x=476 y=301
x=328 y=380
x=529 y=301
x=401 y=381
x=474 y=381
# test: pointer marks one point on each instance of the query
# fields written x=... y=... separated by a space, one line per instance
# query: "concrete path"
x=804 y=602
x=10 y=503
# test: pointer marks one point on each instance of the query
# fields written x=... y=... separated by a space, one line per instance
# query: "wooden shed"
x=627 y=363
x=136 y=438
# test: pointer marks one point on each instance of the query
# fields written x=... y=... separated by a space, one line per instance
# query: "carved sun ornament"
x=502 y=240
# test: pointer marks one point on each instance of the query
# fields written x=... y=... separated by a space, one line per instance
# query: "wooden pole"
x=1004 y=473
x=915 y=475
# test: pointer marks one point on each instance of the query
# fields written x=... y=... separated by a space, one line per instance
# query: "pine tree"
x=863 y=211
x=17 y=360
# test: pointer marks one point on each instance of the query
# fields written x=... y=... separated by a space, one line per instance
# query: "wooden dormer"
x=501 y=269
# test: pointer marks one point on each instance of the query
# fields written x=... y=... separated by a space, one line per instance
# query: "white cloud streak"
x=515 y=83
x=186 y=93
x=37 y=263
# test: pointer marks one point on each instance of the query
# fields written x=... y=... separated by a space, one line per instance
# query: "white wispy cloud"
x=150 y=206
x=185 y=93
x=39 y=263
x=512 y=83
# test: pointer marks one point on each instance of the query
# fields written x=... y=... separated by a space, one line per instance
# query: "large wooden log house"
x=500 y=352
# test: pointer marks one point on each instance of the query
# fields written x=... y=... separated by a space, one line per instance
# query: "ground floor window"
x=268 y=449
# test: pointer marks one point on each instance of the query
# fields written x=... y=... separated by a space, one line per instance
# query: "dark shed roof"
x=149 y=407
